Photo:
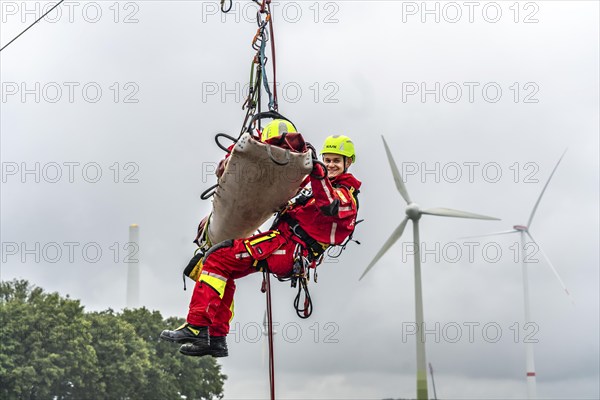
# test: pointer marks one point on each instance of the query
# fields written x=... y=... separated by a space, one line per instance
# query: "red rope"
x=267 y=279
x=273 y=58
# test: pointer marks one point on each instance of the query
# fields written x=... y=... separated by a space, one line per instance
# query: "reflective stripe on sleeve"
x=326 y=190
x=332 y=235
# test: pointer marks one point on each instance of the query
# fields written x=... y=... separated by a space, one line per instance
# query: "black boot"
x=216 y=348
x=186 y=333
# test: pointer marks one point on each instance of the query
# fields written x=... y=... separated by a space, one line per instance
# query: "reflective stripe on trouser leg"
x=215 y=281
x=224 y=314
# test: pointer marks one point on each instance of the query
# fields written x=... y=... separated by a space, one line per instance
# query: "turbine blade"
x=397 y=177
x=544 y=189
x=489 y=234
x=447 y=212
x=389 y=243
x=551 y=266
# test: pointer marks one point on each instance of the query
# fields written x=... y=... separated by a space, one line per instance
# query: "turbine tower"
x=133 y=268
x=523 y=230
x=414 y=213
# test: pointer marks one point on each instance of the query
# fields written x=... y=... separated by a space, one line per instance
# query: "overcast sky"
x=108 y=113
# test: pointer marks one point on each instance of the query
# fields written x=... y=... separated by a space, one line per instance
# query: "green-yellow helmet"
x=339 y=144
x=277 y=127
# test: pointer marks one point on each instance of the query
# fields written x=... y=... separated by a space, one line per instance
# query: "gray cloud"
x=173 y=79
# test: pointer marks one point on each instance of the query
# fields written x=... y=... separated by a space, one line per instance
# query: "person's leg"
x=224 y=314
x=220 y=328
x=203 y=304
x=211 y=304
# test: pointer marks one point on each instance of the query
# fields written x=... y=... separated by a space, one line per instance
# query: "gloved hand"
x=319 y=171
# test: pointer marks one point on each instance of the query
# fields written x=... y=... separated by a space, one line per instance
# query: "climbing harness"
x=314 y=247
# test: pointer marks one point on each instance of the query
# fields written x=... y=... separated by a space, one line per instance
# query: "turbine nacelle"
x=413 y=211
x=520 y=228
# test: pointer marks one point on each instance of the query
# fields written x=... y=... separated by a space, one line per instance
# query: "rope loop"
x=208 y=193
x=220 y=135
x=226 y=10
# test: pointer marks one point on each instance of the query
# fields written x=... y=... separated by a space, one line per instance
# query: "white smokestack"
x=133 y=267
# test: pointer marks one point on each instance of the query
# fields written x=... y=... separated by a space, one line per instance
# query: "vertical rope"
x=274 y=105
x=267 y=280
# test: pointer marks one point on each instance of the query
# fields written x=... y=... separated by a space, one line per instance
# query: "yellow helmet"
x=339 y=144
x=277 y=127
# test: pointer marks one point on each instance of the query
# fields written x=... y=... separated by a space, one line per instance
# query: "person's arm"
x=335 y=202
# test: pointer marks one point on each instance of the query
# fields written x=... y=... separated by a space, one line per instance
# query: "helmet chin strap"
x=345 y=164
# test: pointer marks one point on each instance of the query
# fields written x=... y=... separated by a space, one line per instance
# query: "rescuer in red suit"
x=310 y=224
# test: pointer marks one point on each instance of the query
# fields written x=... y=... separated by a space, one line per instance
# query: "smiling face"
x=335 y=164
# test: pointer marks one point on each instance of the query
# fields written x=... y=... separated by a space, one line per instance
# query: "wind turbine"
x=414 y=213
x=524 y=230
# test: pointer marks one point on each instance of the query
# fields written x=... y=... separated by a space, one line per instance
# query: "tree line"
x=51 y=348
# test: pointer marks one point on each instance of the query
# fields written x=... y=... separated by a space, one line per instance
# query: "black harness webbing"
x=316 y=248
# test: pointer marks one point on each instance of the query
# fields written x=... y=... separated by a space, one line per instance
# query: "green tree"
x=45 y=344
x=123 y=357
x=51 y=349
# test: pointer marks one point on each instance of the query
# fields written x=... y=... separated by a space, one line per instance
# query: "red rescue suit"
x=328 y=217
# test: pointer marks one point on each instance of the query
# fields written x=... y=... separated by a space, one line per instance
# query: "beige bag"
x=259 y=179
